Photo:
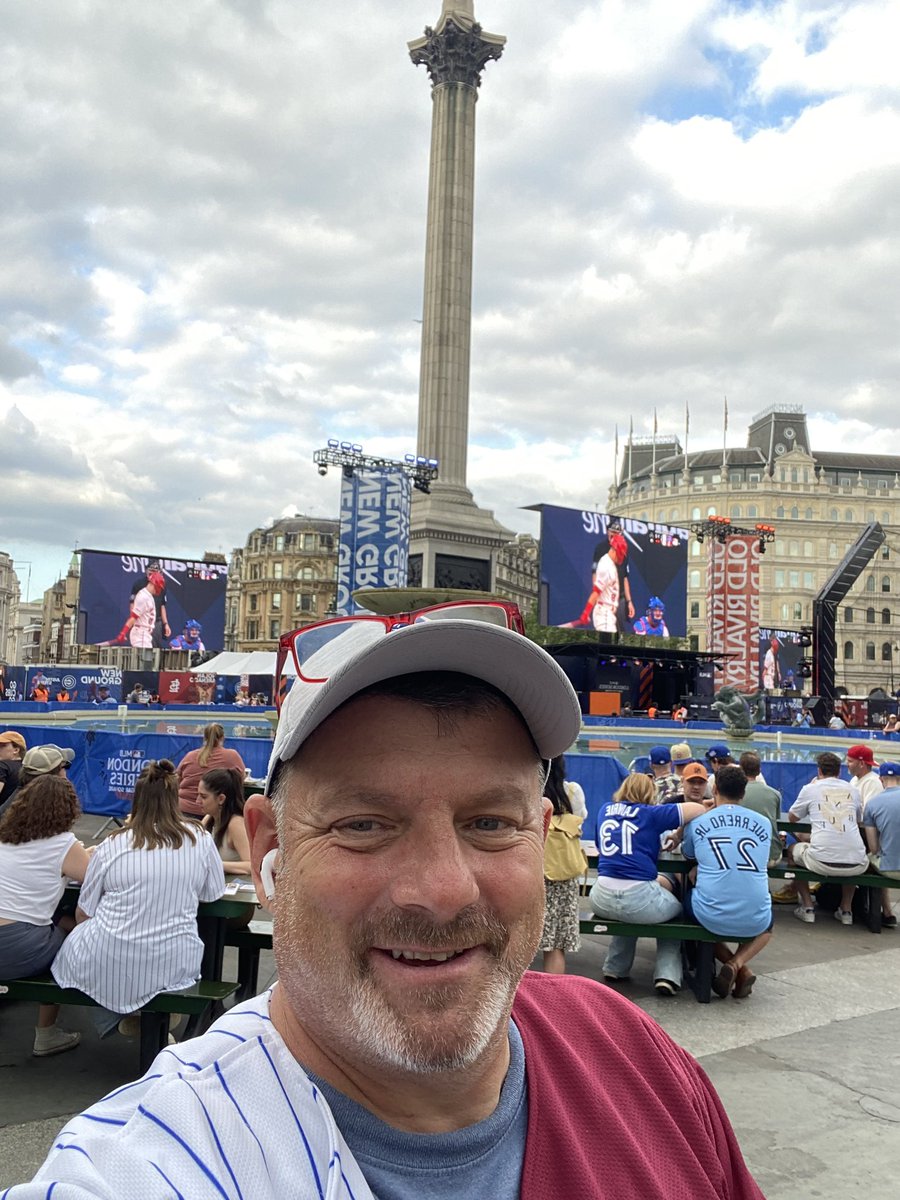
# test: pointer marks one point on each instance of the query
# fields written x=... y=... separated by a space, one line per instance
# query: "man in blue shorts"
x=731 y=894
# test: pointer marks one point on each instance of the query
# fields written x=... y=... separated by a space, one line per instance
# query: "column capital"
x=455 y=53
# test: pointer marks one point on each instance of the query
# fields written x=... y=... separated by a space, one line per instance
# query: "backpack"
x=563 y=855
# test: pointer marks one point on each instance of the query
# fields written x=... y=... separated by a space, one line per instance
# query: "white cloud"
x=213 y=229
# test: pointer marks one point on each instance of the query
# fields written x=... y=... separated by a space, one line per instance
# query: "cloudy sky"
x=213 y=218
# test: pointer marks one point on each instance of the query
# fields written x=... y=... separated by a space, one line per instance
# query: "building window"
x=735 y=511
x=252 y=601
x=809 y=514
x=252 y=630
x=779 y=578
x=795 y=513
x=870 y=515
x=870 y=584
x=779 y=547
x=798 y=611
x=305 y=602
x=753 y=477
x=885 y=651
x=276 y=601
x=274 y=628
x=885 y=583
x=885 y=551
x=833 y=550
x=794 y=548
x=809 y=579
x=695 y=579
x=711 y=511
x=695 y=514
x=309 y=541
x=695 y=609
x=696 y=549
x=870 y=616
x=699 y=480
x=848 y=649
x=870 y=651
x=254 y=571
x=885 y=616
x=785 y=612
x=848 y=614
x=279 y=543
x=793 y=579
x=676 y=515
x=305 y=573
x=779 y=512
x=848 y=514
x=278 y=570
x=807 y=549
x=752 y=510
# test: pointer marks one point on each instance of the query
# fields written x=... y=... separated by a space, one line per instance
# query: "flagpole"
x=725 y=437
x=687 y=429
x=630 y=440
x=616 y=459
x=653 y=468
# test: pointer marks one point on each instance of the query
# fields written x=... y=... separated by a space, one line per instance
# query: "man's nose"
x=436 y=874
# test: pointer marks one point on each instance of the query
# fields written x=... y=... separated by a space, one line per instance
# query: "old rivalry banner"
x=732 y=610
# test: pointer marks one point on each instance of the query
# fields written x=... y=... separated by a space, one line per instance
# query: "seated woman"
x=211 y=756
x=628 y=886
x=137 y=913
x=38 y=851
x=221 y=794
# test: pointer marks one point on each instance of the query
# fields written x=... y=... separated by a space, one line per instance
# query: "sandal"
x=744 y=987
x=724 y=981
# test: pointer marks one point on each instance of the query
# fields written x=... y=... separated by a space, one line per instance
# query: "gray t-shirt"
x=883 y=813
x=481 y=1160
x=766 y=801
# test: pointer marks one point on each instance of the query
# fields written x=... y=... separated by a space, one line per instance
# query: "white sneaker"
x=845 y=918
x=54 y=1040
x=805 y=914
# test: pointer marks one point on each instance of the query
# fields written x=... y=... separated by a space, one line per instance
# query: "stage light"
x=333 y=444
x=700 y=538
x=347 y=471
x=323 y=469
x=410 y=458
x=357 y=449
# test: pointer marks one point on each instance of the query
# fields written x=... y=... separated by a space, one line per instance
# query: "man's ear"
x=259 y=818
x=547 y=814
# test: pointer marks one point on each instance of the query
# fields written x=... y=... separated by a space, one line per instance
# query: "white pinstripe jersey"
x=142 y=936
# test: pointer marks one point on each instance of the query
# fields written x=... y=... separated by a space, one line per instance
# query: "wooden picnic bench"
x=698 y=973
x=250 y=941
x=198 y=1001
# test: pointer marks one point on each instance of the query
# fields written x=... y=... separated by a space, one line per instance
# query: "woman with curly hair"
x=212 y=755
x=221 y=793
x=38 y=851
x=137 y=913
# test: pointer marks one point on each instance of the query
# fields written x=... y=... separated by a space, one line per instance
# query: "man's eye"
x=363 y=825
x=490 y=825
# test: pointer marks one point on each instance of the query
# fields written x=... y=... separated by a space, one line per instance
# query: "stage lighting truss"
x=350 y=458
x=722 y=529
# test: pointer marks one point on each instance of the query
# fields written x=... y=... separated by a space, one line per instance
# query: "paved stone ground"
x=808 y=1067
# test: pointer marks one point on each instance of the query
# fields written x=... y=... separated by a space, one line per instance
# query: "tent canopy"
x=256 y=662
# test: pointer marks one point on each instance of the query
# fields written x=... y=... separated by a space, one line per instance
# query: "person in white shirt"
x=865 y=781
x=137 y=912
x=834 y=846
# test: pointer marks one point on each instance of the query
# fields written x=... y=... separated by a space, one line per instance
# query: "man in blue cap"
x=666 y=782
x=881 y=825
x=718 y=755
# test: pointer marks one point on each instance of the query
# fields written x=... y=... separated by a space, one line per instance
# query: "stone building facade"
x=819 y=501
x=283 y=577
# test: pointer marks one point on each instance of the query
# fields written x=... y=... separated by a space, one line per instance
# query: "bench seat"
x=197 y=1001
x=699 y=979
x=250 y=940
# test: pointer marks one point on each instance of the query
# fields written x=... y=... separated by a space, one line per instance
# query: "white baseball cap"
x=365 y=654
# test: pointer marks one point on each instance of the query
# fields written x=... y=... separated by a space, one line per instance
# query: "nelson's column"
x=451 y=539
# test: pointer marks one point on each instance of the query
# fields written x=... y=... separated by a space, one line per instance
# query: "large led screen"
x=613 y=574
x=152 y=602
x=780 y=653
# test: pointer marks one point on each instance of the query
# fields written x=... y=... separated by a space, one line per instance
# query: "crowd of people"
x=407 y=1049
x=418 y=845
x=133 y=932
